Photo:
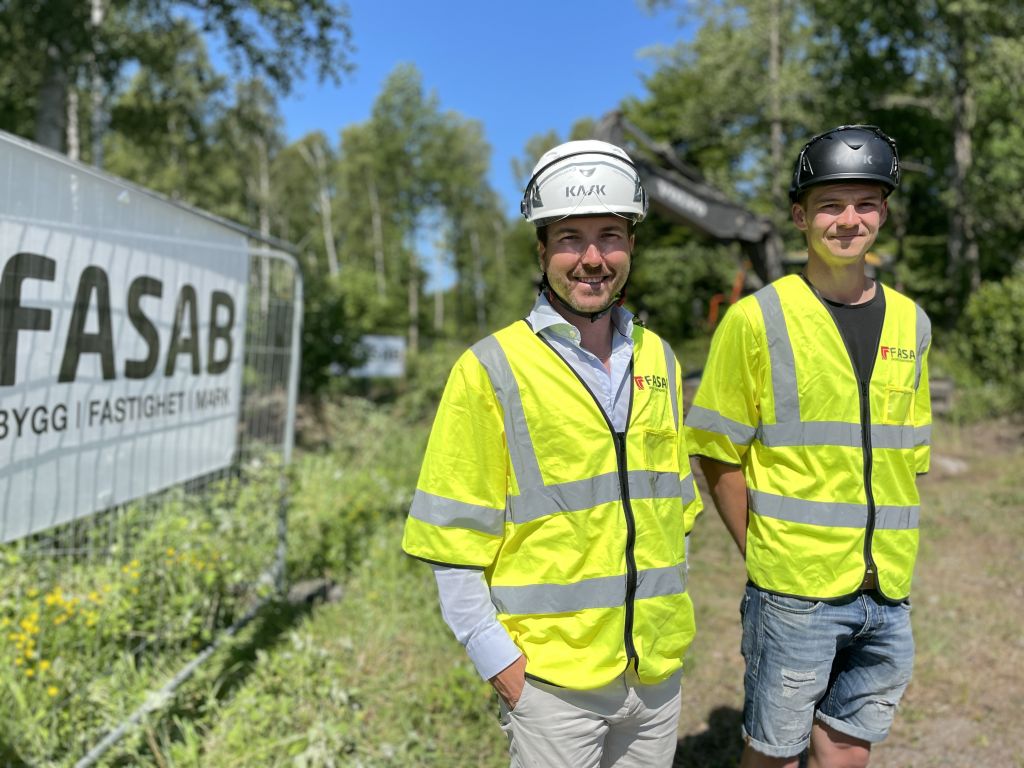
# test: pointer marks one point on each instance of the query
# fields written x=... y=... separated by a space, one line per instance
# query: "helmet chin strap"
x=552 y=295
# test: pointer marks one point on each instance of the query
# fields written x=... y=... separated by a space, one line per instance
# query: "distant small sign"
x=385 y=358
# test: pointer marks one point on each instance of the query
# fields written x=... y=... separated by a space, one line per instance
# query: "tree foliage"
x=55 y=47
x=760 y=77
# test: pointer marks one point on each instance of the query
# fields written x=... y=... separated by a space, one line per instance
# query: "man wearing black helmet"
x=556 y=492
x=811 y=422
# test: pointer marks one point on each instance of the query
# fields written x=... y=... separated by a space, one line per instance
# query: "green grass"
x=371 y=680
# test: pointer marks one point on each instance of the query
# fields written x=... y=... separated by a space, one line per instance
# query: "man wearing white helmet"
x=556 y=494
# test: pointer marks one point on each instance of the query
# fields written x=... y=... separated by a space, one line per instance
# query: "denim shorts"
x=844 y=662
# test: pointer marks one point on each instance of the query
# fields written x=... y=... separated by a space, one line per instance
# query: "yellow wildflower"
x=52 y=691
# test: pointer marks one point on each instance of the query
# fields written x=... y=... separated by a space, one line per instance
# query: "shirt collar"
x=543 y=316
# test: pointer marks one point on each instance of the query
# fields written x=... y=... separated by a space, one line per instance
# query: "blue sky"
x=521 y=67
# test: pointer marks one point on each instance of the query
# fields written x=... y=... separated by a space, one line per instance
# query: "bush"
x=989 y=346
x=362 y=476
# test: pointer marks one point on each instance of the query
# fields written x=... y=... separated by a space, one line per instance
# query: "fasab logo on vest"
x=654 y=382
x=897 y=353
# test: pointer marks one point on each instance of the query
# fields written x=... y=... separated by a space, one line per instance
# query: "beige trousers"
x=623 y=725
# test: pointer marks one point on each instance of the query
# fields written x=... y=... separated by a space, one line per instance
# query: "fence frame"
x=260 y=246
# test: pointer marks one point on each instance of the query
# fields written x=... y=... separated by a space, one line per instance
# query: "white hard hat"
x=583 y=178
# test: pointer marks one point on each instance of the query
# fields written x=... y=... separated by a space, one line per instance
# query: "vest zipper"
x=870 y=570
x=627 y=510
x=864 y=388
x=619 y=440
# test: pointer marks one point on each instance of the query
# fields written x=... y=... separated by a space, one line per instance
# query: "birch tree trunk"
x=962 y=266
x=378 y=235
x=479 y=294
x=263 y=203
x=439 y=311
x=775 y=106
x=499 y=250
x=98 y=124
x=414 y=295
x=314 y=157
x=72 y=138
x=51 y=110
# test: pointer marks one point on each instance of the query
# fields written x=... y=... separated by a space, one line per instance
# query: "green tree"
x=164 y=125
x=304 y=206
x=929 y=68
x=51 y=47
x=250 y=133
x=475 y=227
x=414 y=176
x=729 y=101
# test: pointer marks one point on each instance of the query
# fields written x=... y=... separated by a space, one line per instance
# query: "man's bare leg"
x=832 y=749
x=754 y=759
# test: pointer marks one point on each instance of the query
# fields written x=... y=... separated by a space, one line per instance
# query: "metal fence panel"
x=148 y=375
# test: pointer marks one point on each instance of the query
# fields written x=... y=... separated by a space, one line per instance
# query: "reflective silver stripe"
x=892 y=518
x=537 y=502
x=922 y=435
x=659 y=582
x=575 y=495
x=924 y=338
x=670 y=367
x=520 y=447
x=601 y=592
x=892 y=436
x=798 y=433
x=712 y=421
x=437 y=510
x=835 y=433
x=831 y=513
x=646 y=484
x=780 y=354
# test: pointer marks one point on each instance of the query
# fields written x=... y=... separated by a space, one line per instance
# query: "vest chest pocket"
x=661 y=452
x=898 y=402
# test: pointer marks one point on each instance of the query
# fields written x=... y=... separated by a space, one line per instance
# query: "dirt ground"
x=965 y=702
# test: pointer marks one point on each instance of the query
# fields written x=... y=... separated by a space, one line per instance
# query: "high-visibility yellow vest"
x=580 y=531
x=831 y=475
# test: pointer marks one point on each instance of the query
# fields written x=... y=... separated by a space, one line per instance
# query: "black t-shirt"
x=861 y=328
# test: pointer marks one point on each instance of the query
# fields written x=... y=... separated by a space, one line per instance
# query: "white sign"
x=385 y=358
x=122 y=321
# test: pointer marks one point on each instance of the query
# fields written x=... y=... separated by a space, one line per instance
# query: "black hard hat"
x=847 y=153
